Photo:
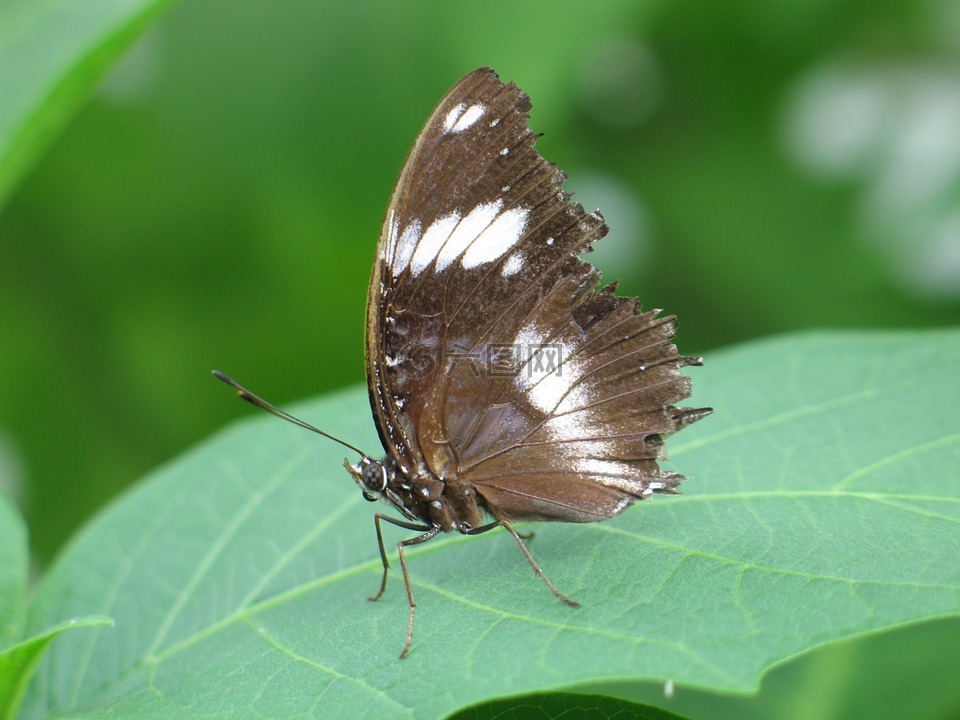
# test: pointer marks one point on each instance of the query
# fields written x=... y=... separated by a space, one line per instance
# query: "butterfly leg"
x=526 y=553
x=429 y=531
x=406 y=580
x=383 y=553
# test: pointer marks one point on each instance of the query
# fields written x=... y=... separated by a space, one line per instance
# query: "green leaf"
x=824 y=504
x=17 y=663
x=52 y=53
x=18 y=660
x=14 y=565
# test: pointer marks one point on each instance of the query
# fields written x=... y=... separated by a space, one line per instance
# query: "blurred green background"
x=765 y=167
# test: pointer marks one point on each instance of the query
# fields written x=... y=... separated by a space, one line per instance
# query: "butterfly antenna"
x=259 y=402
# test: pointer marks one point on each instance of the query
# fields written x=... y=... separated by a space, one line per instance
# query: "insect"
x=506 y=385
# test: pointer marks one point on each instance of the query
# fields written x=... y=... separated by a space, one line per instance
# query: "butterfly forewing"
x=492 y=357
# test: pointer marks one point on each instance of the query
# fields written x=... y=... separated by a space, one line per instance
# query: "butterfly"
x=505 y=384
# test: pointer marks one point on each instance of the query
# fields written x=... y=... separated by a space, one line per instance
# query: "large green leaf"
x=51 y=53
x=824 y=504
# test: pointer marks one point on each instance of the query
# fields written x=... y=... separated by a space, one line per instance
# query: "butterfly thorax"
x=449 y=504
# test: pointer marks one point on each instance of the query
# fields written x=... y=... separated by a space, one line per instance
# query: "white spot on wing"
x=432 y=241
x=530 y=336
x=578 y=426
x=549 y=388
x=451 y=119
x=469 y=229
x=513 y=265
x=405 y=245
x=552 y=392
x=595 y=466
x=462 y=117
x=497 y=240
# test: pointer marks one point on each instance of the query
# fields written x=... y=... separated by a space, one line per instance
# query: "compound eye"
x=374 y=478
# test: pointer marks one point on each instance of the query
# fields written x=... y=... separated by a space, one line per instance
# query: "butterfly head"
x=371 y=477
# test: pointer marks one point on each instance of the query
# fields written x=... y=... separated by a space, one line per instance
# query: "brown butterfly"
x=505 y=385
